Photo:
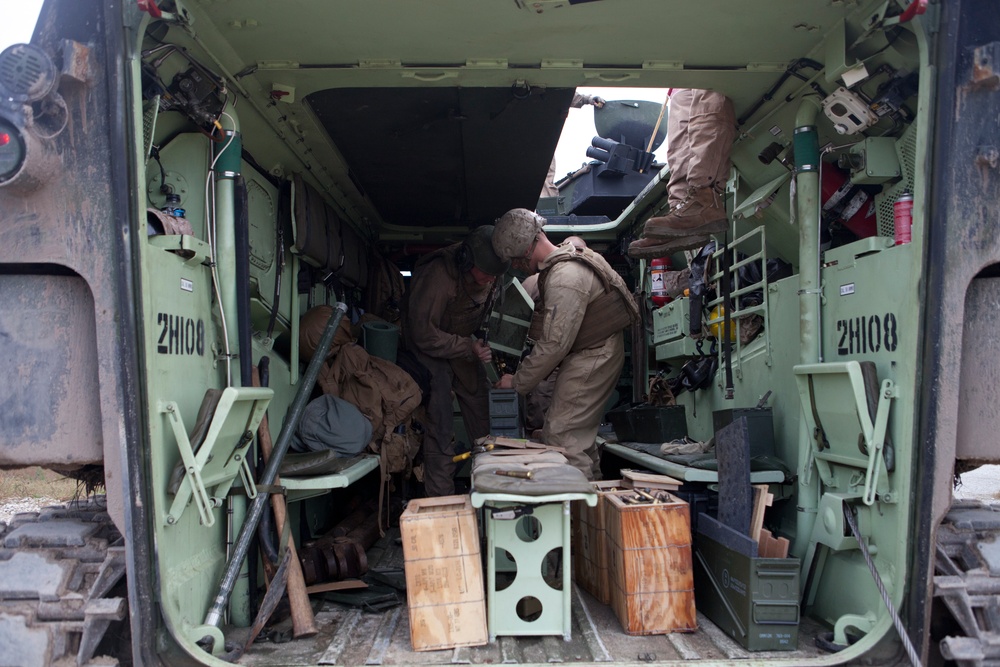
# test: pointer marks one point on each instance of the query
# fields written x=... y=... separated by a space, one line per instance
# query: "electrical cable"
x=154 y=152
x=211 y=230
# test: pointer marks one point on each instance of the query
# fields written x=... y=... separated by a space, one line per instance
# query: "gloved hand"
x=598 y=101
x=482 y=351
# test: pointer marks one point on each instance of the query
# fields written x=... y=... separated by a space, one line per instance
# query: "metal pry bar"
x=256 y=509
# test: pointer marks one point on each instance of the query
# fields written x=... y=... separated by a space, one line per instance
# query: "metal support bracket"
x=209 y=469
x=835 y=406
x=864 y=623
x=829 y=530
x=875 y=440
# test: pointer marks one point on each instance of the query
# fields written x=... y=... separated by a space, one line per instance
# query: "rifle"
x=483 y=332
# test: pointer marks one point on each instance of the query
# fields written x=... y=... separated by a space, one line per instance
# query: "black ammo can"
x=658 y=424
x=760 y=427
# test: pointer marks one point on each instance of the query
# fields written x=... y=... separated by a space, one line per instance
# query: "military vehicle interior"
x=391 y=130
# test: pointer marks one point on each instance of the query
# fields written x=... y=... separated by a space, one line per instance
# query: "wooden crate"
x=649 y=565
x=589 y=543
x=444 y=574
x=638 y=479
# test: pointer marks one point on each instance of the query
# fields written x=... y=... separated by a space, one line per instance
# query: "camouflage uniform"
x=538 y=400
x=701 y=127
x=586 y=377
x=700 y=132
x=443 y=308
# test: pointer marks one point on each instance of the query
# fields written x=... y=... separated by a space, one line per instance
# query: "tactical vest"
x=609 y=313
x=464 y=313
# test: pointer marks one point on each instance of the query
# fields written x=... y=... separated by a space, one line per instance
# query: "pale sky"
x=19 y=18
x=18 y=21
x=579 y=128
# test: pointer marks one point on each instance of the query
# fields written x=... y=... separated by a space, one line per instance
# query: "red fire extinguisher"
x=847 y=204
x=658 y=270
x=902 y=215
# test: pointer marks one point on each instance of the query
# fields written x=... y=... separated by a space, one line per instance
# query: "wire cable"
x=911 y=652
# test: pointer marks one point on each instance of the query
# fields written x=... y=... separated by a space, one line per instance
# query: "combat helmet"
x=515 y=230
x=478 y=248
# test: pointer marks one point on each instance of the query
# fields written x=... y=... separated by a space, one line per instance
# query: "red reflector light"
x=4 y=138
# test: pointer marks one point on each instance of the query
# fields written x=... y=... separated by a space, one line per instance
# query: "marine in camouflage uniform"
x=443 y=308
x=701 y=128
x=578 y=325
x=538 y=400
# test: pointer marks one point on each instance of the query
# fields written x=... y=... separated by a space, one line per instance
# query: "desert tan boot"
x=700 y=213
x=652 y=246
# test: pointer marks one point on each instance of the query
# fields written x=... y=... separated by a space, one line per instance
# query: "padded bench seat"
x=685 y=473
x=314 y=473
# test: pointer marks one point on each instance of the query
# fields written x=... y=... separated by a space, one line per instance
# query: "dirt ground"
x=31 y=489
x=36 y=483
x=982 y=483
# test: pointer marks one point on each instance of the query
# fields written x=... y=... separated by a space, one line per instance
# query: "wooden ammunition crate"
x=649 y=565
x=444 y=574
x=589 y=544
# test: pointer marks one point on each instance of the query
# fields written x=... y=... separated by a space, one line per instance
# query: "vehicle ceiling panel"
x=458 y=156
x=417 y=96
x=623 y=33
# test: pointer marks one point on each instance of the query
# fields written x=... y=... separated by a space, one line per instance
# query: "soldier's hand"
x=599 y=102
x=506 y=381
x=482 y=351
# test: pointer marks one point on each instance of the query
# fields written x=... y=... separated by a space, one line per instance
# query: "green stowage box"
x=658 y=424
x=753 y=600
